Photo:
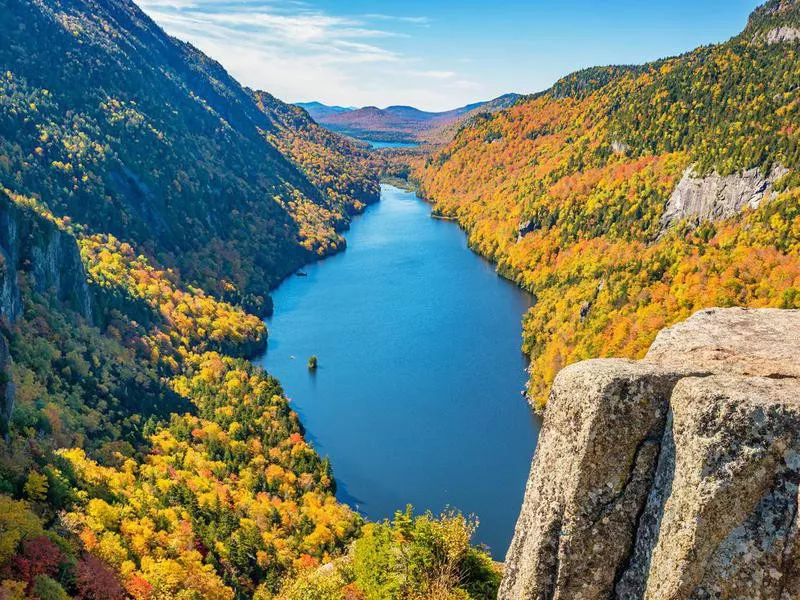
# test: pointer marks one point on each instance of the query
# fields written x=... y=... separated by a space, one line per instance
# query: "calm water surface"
x=375 y=144
x=417 y=396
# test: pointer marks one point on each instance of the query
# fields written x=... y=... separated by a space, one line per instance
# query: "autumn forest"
x=150 y=204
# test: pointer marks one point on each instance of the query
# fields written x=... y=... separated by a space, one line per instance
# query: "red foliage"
x=200 y=546
x=306 y=561
x=139 y=588
x=95 y=580
x=351 y=592
x=38 y=556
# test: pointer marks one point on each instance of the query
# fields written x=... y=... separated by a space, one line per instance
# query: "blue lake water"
x=375 y=144
x=417 y=396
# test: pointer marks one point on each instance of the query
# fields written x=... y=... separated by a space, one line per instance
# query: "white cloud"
x=436 y=74
x=298 y=52
x=424 y=21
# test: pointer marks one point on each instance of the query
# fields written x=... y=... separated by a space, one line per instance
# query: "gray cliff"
x=674 y=477
x=35 y=248
x=714 y=197
x=50 y=257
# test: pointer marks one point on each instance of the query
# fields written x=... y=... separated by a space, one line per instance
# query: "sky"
x=435 y=55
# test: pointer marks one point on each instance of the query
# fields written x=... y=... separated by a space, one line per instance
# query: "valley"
x=255 y=349
x=404 y=394
x=567 y=193
x=401 y=124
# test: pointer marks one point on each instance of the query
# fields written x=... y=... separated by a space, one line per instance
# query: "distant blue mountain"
x=319 y=111
x=396 y=123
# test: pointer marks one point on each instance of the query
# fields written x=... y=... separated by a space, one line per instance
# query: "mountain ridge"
x=148 y=204
x=179 y=147
x=398 y=123
x=566 y=190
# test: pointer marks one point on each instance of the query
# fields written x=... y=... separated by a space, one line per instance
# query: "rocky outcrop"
x=714 y=197
x=782 y=34
x=618 y=147
x=36 y=246
x=10 y=296
x=774 y=22
x=31 y=246
x=674 y=477
x=526 y=227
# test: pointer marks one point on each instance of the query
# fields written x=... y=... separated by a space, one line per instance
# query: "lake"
x=417 y=398
x=378 y=145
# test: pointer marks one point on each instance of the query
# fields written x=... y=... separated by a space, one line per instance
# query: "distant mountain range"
x=398 y=123
x=318 y=110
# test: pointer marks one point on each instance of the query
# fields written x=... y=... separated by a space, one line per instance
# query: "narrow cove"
x=417 y=395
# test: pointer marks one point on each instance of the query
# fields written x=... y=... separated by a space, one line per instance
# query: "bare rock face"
x=619 y=147
x=674 y=477
x=10 y=295
x=33 y=245
x=782 y=34
x=714 y=198
x=745 y=342
x=728 y=527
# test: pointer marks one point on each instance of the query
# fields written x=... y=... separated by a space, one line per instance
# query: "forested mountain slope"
x=138 y=460
x=625 y=198
x=110 y=122
x=318 y=109
x=141 y=456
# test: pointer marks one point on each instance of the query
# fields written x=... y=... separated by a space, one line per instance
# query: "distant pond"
x=417 y=398
x=378 y=145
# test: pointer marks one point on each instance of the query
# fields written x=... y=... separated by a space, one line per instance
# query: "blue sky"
x=435 y=55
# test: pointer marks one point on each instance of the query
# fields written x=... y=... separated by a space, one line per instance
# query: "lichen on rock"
x=674 y=477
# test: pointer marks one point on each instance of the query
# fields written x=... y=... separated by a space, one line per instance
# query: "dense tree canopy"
x=565 y=192
x=142 y=458
x=145 y=457
x=108 y=121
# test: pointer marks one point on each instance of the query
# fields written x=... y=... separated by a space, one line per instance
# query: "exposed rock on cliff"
x=35 y=245
x=674 y=477
x=775 y=21
x=10 y=297
x=620 y=147
x=713 y=197
x=783 y=34
x=32 y=245
x=526 y=227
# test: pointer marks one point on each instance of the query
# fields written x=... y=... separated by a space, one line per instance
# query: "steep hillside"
x=336 y=166
x=141 y=456
x=138 y=459
x=625 y=198
x=444 y=132
x=112 y=123
x=400 y=123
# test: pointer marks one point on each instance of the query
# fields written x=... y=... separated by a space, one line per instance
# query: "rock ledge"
x=673 y=477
